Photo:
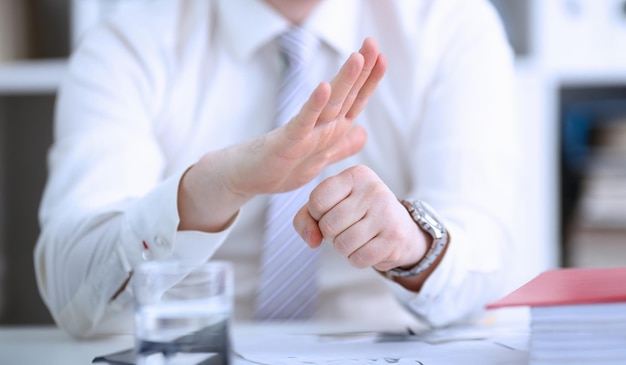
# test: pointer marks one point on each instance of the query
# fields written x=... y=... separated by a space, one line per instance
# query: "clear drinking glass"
x=182 y=312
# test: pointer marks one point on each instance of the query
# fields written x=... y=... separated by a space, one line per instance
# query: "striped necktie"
x=288 y=273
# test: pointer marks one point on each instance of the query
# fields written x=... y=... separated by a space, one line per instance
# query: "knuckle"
x=326 y=227
x=316 y=206
x=396 y=234
x=385 y=266
x=358 y=261
x=379 y=192
x=359 y=171
x=394 y=256
x=341 y=245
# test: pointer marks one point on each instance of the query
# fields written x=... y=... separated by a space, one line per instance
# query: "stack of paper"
x=578 y=316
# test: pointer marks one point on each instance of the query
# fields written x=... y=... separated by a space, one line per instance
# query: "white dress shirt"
x=149 y=93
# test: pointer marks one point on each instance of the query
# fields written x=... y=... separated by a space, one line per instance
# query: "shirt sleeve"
x=111 y=200
x=465 y=162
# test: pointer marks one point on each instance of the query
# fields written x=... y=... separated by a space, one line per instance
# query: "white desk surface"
x=291 y=344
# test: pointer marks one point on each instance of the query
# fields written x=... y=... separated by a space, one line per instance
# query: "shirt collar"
x=334 y=22
x=250 y=24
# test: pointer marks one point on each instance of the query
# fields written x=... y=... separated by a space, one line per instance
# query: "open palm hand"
x=320 y=134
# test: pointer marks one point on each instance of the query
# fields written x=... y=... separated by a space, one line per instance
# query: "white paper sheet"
x=483 y=346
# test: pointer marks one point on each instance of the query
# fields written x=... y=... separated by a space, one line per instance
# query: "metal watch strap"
x=427 y=220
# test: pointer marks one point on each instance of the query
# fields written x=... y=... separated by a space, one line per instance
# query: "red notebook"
x=569 y=286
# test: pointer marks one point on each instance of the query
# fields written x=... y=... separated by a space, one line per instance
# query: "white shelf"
x=31 y=76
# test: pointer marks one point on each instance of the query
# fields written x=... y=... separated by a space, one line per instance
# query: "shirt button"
x=160 y=242
x=146 y=255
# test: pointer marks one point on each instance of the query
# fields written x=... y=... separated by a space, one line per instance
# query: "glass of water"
x=182 y=312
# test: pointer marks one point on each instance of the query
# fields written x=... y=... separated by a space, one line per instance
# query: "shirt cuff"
x=152 y=229
x=434 y=304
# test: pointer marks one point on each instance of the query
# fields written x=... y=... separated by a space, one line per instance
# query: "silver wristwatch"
x=427 y=220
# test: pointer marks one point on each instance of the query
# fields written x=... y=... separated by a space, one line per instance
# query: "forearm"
x=80 y=272
x=84 y=257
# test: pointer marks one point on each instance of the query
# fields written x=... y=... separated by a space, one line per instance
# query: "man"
x=166 y=147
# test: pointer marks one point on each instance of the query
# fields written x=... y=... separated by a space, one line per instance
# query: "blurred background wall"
x=29 y=30
x=571 y=83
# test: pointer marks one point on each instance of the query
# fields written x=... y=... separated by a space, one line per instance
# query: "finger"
x=341 y=217
x=369 y=50
x=307 y=227
x=369 y=87
x=351 y=143
x=360 y=232
x=302 y=124
x=341 y=86
x=375 y=252
x=328 y=194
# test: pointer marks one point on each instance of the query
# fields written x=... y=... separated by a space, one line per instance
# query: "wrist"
x=430 y=224
x=204 y=201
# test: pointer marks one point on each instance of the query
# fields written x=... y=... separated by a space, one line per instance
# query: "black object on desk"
x=213 y=340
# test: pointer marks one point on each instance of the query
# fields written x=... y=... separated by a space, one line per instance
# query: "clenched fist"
x=364 y=221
